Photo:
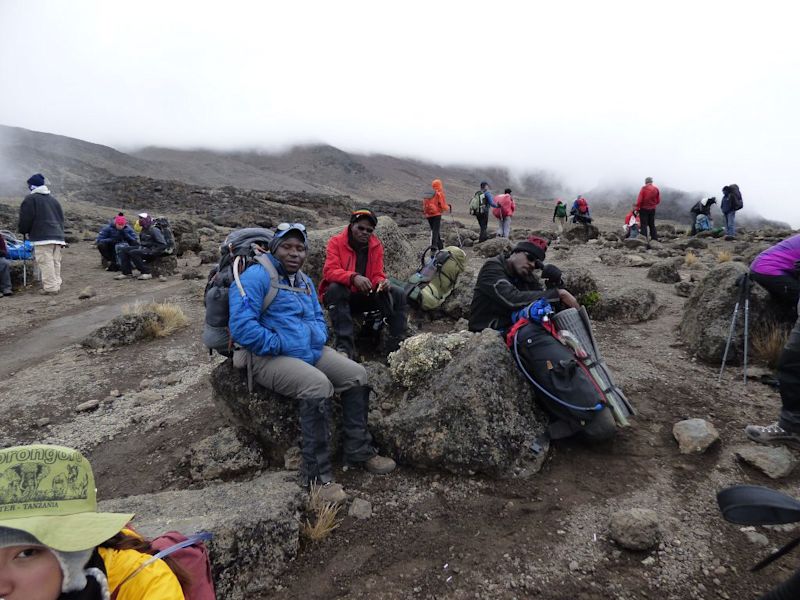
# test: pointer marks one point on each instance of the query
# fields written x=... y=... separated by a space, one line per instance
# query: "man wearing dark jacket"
x=112 y=235
x=731 y=202
x=354 y=281
x=152 y=245
x=42 y=220
x=506 y=283
x=5 y=269
x=649 y=198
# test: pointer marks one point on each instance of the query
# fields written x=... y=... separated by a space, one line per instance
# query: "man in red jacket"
x=353 y=281
x=649 y=197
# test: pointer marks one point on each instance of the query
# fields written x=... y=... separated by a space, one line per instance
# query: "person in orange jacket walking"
x=433 y=206
x=649 y=198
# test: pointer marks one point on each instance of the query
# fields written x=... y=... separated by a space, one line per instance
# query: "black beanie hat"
x=36 y=180
x=529 y=248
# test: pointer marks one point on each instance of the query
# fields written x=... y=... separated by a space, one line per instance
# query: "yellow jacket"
x=154 y=582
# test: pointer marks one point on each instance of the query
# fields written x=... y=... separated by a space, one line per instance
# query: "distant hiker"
x=286 y=344
x=778 y=269
x=787 y=428
x=5 y=269
x=507 y=283
x=42 y=220
x=55 y=545
x=479 y=206
x=503 y=212
x=580 y=211
x=112 y=235
x=151 y=245
x=632 y=224
x=433 y=205
x=354 y=282
x=731 y=202
x=701 y=215
x=649 y=198
x=560 y=216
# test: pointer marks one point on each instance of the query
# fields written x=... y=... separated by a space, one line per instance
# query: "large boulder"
x=665 y=271
x=255 y=525
x=580 y=282
x=630 y=306
x=446 y=413
x=708 y=312
x=163 y=266
x=458 y=303
x=582 y=233
x=122 y=331
x=400 y=259
x=493 y=247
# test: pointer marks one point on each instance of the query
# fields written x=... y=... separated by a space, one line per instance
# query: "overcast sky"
x=696 y=94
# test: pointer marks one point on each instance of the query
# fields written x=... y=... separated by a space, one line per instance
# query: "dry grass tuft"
x=171 y=317
x=767 y=341
x=724 y=256
x=326 y=517
x=690 y=259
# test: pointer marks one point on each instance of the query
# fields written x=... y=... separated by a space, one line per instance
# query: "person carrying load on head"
x=701 y=215
x=560 y=216
x=507 y=283
x=354 y=281
x=632 y=224
x=285 y=347
x=151 y=245
x=503 y=212
x=113 y=234
x=649 y=197
x=5 y=269
x=580 y=211
x=479 y=206
x=54 y=545
x=42 y=220
x=777 y=269
x=433 y=205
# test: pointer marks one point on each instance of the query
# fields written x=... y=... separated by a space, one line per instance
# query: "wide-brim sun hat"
x=49 y=492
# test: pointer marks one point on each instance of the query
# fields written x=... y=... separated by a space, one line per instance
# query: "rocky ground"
x=427 y=533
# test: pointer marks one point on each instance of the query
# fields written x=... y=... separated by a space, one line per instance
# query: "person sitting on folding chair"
x=354 y=281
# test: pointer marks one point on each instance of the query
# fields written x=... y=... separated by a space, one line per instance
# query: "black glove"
x=552 y=276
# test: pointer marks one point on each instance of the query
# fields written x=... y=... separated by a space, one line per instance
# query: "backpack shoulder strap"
x=202 y=536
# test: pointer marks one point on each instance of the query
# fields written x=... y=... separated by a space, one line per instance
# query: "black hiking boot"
x=315 y=446
x=358 y=448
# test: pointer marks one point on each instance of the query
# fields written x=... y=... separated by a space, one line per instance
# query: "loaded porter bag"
x=429 y=287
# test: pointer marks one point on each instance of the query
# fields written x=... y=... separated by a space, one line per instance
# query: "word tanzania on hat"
x=49 y=493
x=364 y=213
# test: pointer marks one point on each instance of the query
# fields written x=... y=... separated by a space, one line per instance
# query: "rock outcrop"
x=255 y=525
x=708 y=312
x=451 y=416
x=630 y=306
x=122 y=331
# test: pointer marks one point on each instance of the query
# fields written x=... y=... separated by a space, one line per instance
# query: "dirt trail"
x=42 y=341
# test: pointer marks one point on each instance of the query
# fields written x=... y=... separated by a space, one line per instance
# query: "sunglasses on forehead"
x=288 y=226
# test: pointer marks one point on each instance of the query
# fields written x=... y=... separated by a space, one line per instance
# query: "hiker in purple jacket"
x=778 y=269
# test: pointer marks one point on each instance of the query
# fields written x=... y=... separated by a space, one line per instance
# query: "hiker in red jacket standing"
x=649 y=197
x=503 y=213
x=433 y=205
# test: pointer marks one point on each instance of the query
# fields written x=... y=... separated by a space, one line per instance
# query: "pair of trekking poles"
x=744 y=284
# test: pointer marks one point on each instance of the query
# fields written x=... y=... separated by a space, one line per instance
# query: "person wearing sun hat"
x=284 y=347
x=55 y=545
x=354 y=282
x=507 y=283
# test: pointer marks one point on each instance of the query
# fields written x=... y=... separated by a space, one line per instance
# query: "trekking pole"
x=730 y=331
x=746 y=292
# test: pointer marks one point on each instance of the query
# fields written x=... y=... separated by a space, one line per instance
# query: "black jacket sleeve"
x=494 y=282
x=27 y=212
x=154 y=241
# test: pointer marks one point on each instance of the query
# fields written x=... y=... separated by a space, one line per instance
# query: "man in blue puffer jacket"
x=286 y=344
x=112 y=235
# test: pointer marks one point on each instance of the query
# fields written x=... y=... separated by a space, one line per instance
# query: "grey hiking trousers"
x=789 y=378
x=294 y=378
